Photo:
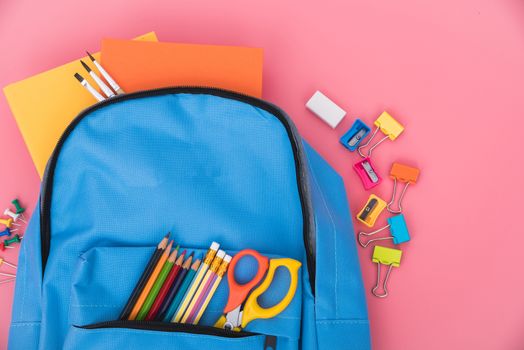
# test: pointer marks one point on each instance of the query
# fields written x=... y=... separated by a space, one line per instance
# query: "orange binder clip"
x=402 y=173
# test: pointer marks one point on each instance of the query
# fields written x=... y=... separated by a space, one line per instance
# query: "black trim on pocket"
x=170 y=327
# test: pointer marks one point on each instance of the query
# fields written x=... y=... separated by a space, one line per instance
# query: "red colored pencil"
x=165 y=288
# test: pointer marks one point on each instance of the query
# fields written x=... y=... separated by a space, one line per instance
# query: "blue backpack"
x=207 y=165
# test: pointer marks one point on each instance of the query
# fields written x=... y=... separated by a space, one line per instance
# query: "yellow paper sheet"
x=44 y=105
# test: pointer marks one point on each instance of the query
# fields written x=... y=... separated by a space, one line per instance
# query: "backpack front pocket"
x=105 y=277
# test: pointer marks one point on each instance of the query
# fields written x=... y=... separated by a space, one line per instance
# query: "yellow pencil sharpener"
x=371 y=211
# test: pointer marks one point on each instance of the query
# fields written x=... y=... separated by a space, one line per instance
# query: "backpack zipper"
x=170 y=327
x=47 y=181
x=270 y=341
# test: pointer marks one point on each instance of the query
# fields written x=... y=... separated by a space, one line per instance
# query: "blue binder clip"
x=397 y=227
x=352 y=138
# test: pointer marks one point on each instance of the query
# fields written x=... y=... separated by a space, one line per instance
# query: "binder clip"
x=389 y=257
x=352 y=138
x=397 y=227
x=365 y=170
x=371 y=211
x=402 y=173
x=389 y=126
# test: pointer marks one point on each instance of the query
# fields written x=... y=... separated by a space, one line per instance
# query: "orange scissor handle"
x=238 y=292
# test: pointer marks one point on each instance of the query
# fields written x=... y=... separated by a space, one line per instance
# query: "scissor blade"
x=233 y=318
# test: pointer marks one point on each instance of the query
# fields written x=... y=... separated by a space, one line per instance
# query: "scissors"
x=242 y=305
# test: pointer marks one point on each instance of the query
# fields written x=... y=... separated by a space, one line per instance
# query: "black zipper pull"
x=270 y=343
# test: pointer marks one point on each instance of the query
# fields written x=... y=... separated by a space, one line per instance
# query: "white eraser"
x=227 y=258
x=221 y=254
x=325 y=109
x=214 y=246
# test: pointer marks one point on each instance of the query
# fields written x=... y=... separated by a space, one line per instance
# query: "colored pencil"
x=216 y=281
x=150 y=282
x=210 y=255
x=143 y=279
x=203 y=285
x=169 y=317
x=150 y=299
x=175 y=271
x=174 y=288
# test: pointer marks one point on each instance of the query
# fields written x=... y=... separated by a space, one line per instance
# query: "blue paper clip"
x=352 y=138
x=397 y=227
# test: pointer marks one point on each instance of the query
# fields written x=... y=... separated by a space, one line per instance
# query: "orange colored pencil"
x=150 y=282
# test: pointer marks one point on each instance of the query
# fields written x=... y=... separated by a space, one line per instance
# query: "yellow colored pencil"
x=209 y=274
x=210 y=255
x=150 y=282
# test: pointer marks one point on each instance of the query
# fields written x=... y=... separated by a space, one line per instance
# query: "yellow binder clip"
x=371 y=211
x=389 y=127
x=389 y=257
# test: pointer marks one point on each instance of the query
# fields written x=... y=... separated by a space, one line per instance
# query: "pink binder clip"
x=365 y=170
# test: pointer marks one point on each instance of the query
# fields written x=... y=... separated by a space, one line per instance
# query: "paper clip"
x=7 y=222
x=6 y=232
x=397 y=227
x=371 y=211
x=389 y=126
x=402 y=173
x=352 y=138
x=366 y=171
x=389 y=257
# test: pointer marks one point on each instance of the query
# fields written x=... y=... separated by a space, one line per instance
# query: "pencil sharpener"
x=352 y=138
x=366 y=171
x=399 y=229
x=371 y=211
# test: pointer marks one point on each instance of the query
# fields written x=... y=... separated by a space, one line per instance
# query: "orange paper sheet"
x=44 y=105
x=147 y=65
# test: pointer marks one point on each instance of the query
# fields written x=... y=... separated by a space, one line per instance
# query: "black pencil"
x=143 y=279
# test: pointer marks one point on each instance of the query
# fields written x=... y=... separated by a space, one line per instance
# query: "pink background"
x=451 y=71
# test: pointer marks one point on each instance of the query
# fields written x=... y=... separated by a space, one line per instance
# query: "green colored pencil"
x=150 y=299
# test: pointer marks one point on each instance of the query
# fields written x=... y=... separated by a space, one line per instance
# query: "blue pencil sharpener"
x=352 y=138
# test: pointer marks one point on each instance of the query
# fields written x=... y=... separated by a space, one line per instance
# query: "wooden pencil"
x=204 y=284
x=150 y=299
x=143 y=279
x=209 y=294
x=143 y=295
x=164 y=290
x=174 y=288
x=195 y=283
x=188 y=279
